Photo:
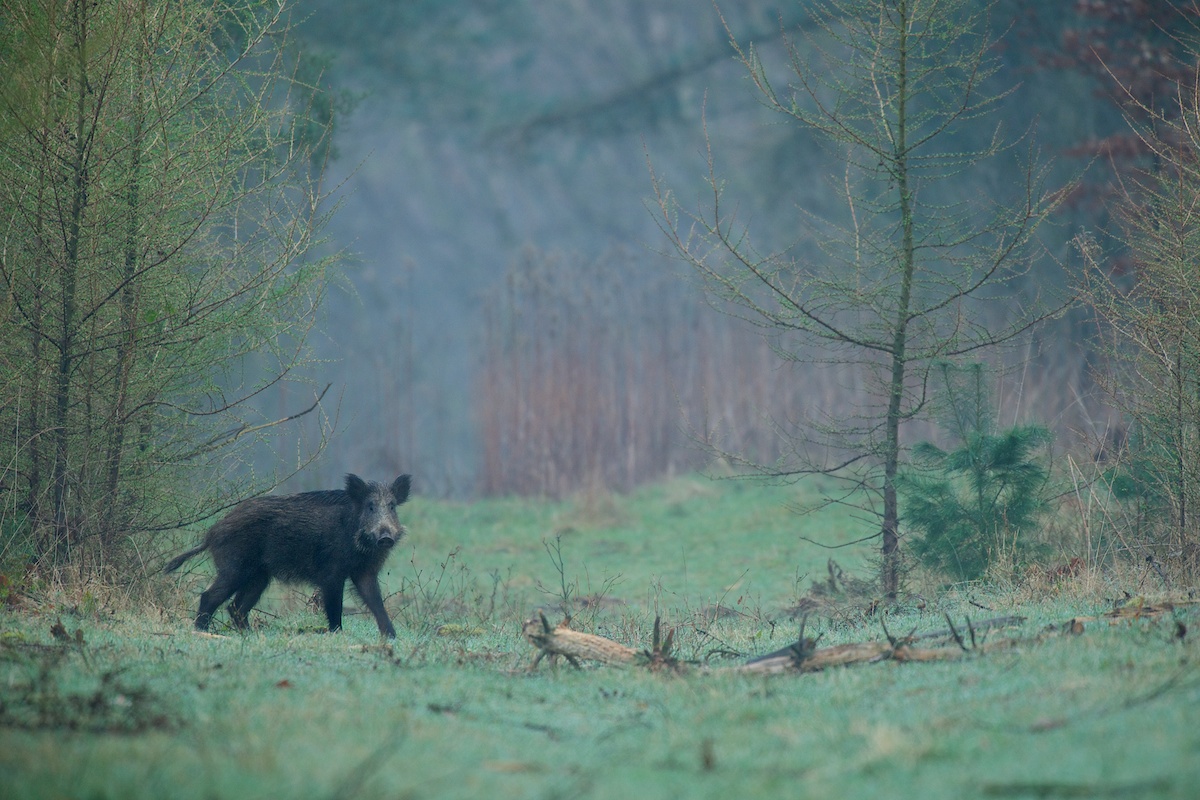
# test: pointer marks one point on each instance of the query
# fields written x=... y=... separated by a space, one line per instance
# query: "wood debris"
x=575 y=646
x=805 y=656
x=802 y=656
x=1132 y=608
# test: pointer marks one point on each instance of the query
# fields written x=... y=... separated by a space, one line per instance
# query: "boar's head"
x=375 y=506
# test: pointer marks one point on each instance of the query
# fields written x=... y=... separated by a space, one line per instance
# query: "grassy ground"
x=135 y=705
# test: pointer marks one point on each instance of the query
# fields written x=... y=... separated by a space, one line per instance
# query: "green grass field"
x=137 y=706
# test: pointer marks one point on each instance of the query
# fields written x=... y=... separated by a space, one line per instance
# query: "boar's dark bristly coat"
x=321 y=538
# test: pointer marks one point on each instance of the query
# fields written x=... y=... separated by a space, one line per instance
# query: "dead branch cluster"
x=804 y=655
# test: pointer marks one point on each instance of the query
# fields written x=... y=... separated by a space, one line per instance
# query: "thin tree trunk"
x=890 y=549
x=68 y=277
x=128 y=341
x=37 y=329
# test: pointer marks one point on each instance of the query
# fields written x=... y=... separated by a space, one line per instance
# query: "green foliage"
x=1138 y=479
x=158 y=206
x=975 y=505
x=1144 y=475
x=979 y=503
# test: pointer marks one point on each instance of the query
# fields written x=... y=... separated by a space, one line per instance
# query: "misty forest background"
x=506 y=315
x=517 y=324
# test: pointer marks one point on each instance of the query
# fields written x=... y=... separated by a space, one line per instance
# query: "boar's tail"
x=178 y=560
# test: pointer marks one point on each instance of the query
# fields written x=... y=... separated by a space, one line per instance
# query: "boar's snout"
x=387 y=537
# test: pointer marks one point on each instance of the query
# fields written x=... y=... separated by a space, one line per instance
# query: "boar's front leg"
x=332 y=595
x=367 y=585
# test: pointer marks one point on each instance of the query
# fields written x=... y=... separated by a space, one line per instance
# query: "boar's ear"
x=400 y=488
x=356 y=487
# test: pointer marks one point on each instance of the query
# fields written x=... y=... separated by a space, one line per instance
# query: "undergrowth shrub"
x=975 y=507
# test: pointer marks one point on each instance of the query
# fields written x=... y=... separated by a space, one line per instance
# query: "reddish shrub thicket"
x=600 y=376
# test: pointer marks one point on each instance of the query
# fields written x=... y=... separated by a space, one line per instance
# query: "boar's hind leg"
x=332 y=595
x=368 y=589
x=247 y=595
x=211 y=598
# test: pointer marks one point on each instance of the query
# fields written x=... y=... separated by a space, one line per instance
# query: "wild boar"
x=321 y=538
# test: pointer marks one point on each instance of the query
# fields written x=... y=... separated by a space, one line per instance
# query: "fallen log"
x=575 y=646
x=905 y=652
x=805 y=657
